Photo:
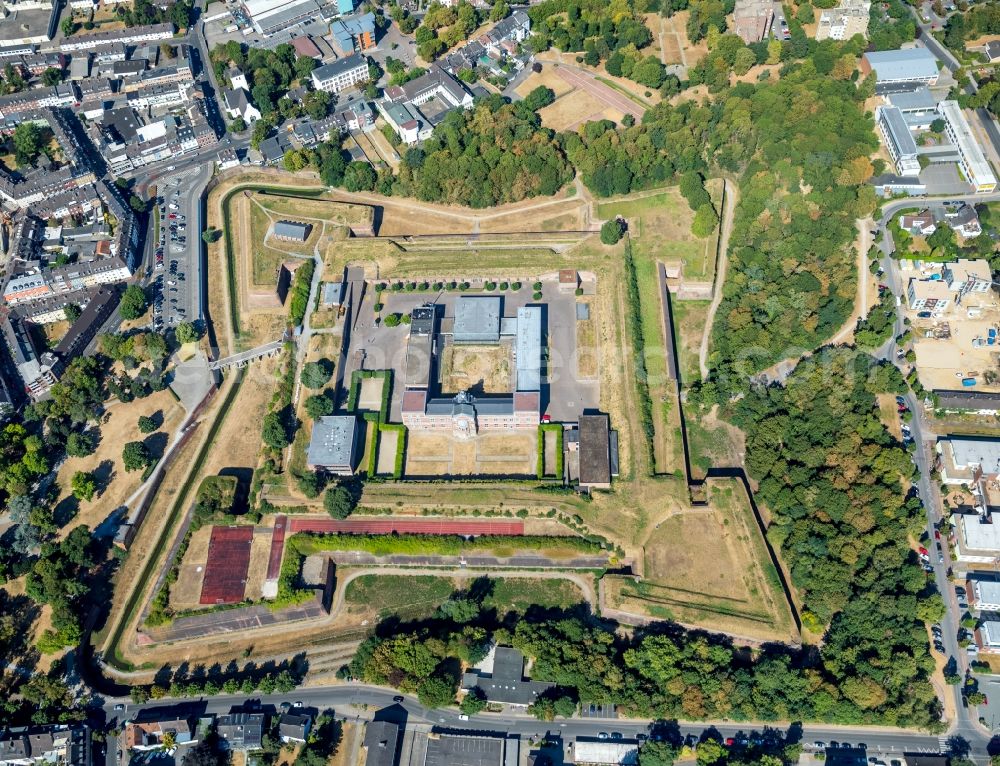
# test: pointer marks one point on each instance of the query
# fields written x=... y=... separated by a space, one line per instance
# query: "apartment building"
x=752 y=19
x=127 y=36
x=341 y=74
x=846 y=20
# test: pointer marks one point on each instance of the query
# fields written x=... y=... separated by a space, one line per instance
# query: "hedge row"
x=299 y=294
x=639 y=349
x=373 y=453
x=399 y=428
x=557 y=429
x=307 y=543
x=355 y=391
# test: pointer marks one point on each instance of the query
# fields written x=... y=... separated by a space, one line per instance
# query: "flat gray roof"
x=971 y=451
x=528 y=348
x=477 y=319
x=382 y=743
x=446 y=750
x=920 y=99
x=899 y=130
x=906 y=64
x=333 y=441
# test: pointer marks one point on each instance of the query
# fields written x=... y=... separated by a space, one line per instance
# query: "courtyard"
x=484 y=369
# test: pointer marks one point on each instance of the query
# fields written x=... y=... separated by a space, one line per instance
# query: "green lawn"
x=392 y=593
x=660 y=225
x=422 y=594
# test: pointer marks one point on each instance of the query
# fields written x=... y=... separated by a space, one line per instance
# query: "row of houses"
x=50 y=267
x=238 y=731
x=51 y=745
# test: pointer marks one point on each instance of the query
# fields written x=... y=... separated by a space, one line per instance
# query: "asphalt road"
x=943 y=54
x=349 y=701
x=966 y=724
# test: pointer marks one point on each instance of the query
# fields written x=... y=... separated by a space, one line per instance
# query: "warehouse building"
x=270 y=16
x=292 y=231
x=477 y=320
x=528 y=348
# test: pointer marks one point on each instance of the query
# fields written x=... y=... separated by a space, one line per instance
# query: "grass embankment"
x=227 y=228
x=112 y=653
x=307 y=543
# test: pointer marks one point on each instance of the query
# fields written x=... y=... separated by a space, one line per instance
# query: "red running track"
x=277 y=547
x=227 y=565
x=407 y=526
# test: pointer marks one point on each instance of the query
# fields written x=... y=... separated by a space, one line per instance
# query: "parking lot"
x=176 y=278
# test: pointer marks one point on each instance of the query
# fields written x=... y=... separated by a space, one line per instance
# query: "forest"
x=664 y=672
x=495 y=153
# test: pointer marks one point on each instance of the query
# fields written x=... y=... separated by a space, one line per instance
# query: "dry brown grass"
x=889 y=414
x=709 y=567
x=370 y=396
x=587 y=347
x=388 y=442
x=185 y=593
x=572 y=109
x=121 y=426
x=464 y=367
x=547 y=78
x=260 y=551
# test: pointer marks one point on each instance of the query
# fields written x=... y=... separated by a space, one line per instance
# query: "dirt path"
x=726 y=229
x=864 y=243
x=600 y=91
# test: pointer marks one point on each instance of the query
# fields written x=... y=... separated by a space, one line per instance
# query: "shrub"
x=338 y=502
x=378 y=307
x=515 y=285
x=537 y=286
x=504 y=286
x=612 y=231
x=318 y=405
x=317 y=374
x=310 y=484
x=536 y=296
x=146 y=424
x=490 y=286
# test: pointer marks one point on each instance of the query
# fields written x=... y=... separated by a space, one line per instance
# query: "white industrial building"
x=898 y=140
x=986 y=595
x=341 y=74
x=269 y=16
x=606 y=751
x=973 y=162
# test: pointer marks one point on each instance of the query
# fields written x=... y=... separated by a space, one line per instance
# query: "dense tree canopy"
x=493 y=154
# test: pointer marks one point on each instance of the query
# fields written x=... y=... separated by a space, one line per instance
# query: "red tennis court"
x=277 y=546
x=407 y=526
x=227 y=565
